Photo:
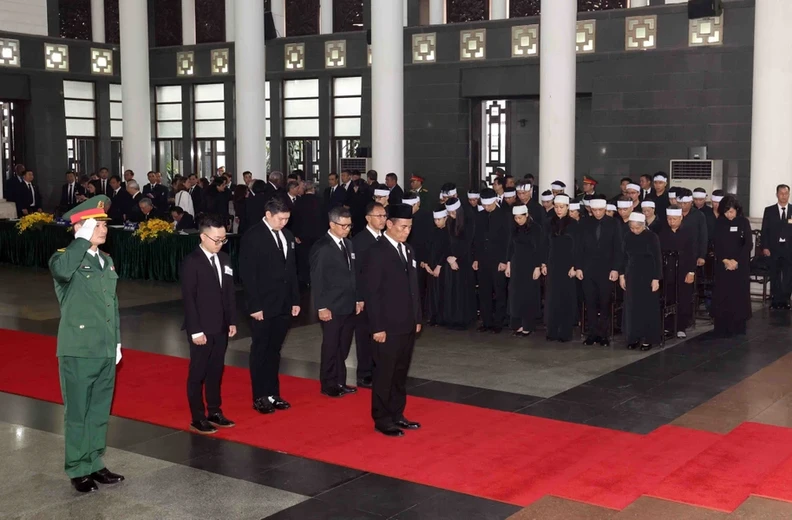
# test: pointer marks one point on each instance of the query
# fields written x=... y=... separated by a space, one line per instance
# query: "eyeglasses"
x=223 y=240
x=342 y=226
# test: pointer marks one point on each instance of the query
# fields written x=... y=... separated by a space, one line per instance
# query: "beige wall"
x=24 y=16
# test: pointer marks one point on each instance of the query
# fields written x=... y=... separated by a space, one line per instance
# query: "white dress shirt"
x=96 y=254
x=376 y=234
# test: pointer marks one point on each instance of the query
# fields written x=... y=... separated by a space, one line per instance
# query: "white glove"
x=118 y=351
x=87 y=229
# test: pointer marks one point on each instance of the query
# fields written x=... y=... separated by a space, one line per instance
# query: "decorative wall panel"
x=525 y=41
x=473 y=45
x=586 y=36
x=424 y=48
x=706 y=31
x=640 y=32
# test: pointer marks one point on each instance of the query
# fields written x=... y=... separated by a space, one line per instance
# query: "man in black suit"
x=16 y=183
x=490 y=256
x=329 y=192
x=102 y=184
x=396 y=193
x=335 y=300
x=207 y=281
x=646 y=187
x=777 y=244
x=120 y=200
x=308 y=224
x=362 y=242
x=132 y=210
x=146 y=211
x=268 y=268
x=28 y=196
x=394 y=310
x=155 y=191
x=196 y=192
x=183 y=221
x=70 y=192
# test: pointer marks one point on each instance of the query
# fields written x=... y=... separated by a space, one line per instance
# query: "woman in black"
x=731 y=299
x=439 y=248
x=561 y=292
x=524 y=269
x=653 y=223
x=640 y=281
x=675 y=238
x=459 y=300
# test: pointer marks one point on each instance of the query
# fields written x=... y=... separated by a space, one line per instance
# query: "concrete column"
x=97 y=21
x=405 y=11
x=230 y=20
x=437 y=12
x=135 y=89
x=188 y=22
x=771 y=130
x=639 y=3
x=557 y=74
x=325 y=16
x=387 y=87
x=499 y=9
x=251 y=153
x=278 y=16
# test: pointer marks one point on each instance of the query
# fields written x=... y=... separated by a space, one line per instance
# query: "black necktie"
x=783 y=214
x=599 y=229
x=401 y=254
x=104 y=187
x=32 y=195
x=214 y=268
x=277 y=241
x=346 y=253
x=378 y=237
x=71 y=194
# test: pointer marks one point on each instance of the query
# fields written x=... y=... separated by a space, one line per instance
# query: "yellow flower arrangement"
x=34 y=221
x=153 y=229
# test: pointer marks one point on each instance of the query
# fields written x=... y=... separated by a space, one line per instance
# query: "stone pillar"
x=437 y=12
x=251 y=152
x=278 y=16
x=771 y=130
x=557 y=74
x=135 y=88
x=405 y=11
x=325 y=16
x=230 y=20
x=188 y=22
x=97 y=21
x=387 y=87
x=499 y=9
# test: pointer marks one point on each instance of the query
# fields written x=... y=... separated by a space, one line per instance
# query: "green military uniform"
x=89 y=340
x=423 y=194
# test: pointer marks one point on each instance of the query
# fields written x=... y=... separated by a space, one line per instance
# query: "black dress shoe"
x=202 y=427
x=105 y=476
x=335 y=391
x=348 y=389
x=390 y=431
x=408 y=425
x=483 y=329
x=84 y=484
x=645 y=347
x=278 y=402
x=590 y=340
x=365 y=382
x=605 y=342
x=633 y=346
x=219 y=420
x=262 y=405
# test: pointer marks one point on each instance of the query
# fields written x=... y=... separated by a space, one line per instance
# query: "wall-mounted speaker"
x=269 y=27
x=704 y=8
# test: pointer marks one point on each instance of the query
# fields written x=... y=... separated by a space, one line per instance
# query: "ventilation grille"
x=691 y=170
x=360 y=164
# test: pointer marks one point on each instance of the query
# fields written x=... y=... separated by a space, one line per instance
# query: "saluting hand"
x=232 y=331
x=380 y=337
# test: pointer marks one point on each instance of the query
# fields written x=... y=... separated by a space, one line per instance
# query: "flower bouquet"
x=153 y=229
x=34 y=221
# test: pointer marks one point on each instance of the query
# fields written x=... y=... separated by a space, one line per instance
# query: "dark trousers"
x=363 y=346
x=265 y=353
x=781 y=276
x=389 y=392
x=304 y=260
x=598 y=294
x=336 y=342
x=492 y=284
x=206 y=372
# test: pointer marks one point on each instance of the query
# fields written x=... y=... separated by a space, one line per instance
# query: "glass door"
x=303 y=154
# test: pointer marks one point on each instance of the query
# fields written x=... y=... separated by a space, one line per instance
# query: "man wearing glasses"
x=362 y=242
x=207 y=281
x=334 y=295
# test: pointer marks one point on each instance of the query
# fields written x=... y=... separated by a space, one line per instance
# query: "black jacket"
x=197 y=194
x=269 y=280
x=98 y=185
x=333 y=284
x=774 y=230
x=208 y=308
x=120 y=204
x=309 y=219
x=604 y=255
x=362 y=242
x=396 y=195
x=159 y=196
x=491 y=239
x=65 y=203
x=24 y=199
x=187 y=222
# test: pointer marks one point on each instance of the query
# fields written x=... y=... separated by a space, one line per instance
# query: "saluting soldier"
x=89 y=343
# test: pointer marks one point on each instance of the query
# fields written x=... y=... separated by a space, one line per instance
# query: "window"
x=74 y=17
x=301 y=125
x=168 y=149
x=209 y=106
x=347 y=106
x=116 y=130
x=495 y=124
x=79 y=99
x=210 y=21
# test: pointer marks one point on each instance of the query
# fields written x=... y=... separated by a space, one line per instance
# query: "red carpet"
x=496 y=455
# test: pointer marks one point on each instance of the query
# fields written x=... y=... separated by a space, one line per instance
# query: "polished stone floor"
x=700 y=383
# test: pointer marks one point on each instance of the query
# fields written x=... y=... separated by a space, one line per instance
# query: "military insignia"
x=100 y=204
x=62 y=250
x=86 y=267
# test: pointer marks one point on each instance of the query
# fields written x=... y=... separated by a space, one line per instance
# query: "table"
x=134 y=260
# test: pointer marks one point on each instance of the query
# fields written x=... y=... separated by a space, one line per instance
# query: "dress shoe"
x=335 y=391
x=645 y=347
x=105 y=476
x=590 y=340
x=681 y=334
x=84 y=484
x=525 y=333
x=633 y=346
x=517 y=333
x=348 y=389
x=262 y=405
x=483 y=329
x=219 y=420
x=408 y=425
x=278 y=402
x=365 y=382
x=390 y=431
x=202 y=427
x=605 y=342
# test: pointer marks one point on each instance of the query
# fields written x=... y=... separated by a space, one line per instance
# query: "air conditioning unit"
x=361 y=164
x=692 y=174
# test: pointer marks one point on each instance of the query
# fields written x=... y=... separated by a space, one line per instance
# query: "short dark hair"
x=372 y=206
x=292 y=184
x=259 y=186
x=778 y=188
x=499 y=181
x=338 y=212
x=104 y=168
x=219 y=181
x=83 y=178
x=647 y=177
x=276 y=205
x=116 y=177
x=333 y=174
x=718 y=193
x=210 y=221
x=729 y=202
x=371 y=175
x=247 y=173
x=355 y=173
x=626 y=179
x=190 y=176
x=391 y=176
x=624 y=198
x=177 y=209
x=293 y=177
x=70 y=172
x=674 y=206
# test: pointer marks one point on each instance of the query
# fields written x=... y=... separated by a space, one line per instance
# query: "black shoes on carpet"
x=218 y=420
x=397 y=429
x=202 y=427
x=265 y=405
x=365 y=382
x=87 y=483
x=339 y=391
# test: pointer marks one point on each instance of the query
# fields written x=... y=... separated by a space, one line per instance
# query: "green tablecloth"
x=135 y=260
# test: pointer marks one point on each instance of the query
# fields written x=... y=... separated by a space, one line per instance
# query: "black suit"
x=333 y=287
x=308 y=223
x=646 y=196
x=196 y=192
x=141 y=217
x=98 y=185
x=69 y=200
x=120 y=205
x=270 y=284
x=396 y=195
x=363 y=242
x=209 y=309
x=777 y=237
x=599 y=255
x=15 y=184
x=133 y=213
x=490 y=248
x=25 y=199
x=159 y=196
x=394 y=307
x=187 y=222
x=334 y=197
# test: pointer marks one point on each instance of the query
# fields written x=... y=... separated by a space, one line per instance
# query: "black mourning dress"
x=526 y=253
x=731 y=299
x=561 y=303
x=459 y=291
x=643 y=263
x=683 y=243
x=439 y=248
